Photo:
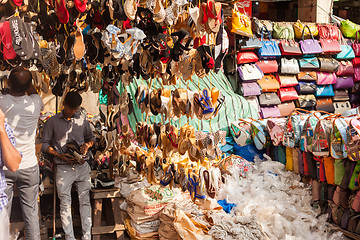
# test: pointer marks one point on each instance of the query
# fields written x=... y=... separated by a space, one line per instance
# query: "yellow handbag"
x=289 y=159
x=299 y=26
x=241 y=23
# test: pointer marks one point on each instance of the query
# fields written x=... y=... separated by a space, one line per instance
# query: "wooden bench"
x=99 y=196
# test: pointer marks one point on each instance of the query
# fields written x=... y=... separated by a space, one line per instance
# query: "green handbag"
x=349 y=29
x=339 y=170
x=283 y=30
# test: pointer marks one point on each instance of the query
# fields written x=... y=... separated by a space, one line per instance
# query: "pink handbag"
x=356 y=46
x=325 y=78
x=330 y=46
x=357 y=74
x=345 y=68
x=356 y=202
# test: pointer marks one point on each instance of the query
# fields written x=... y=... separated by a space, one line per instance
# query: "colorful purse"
x=257 y=25
x=289 y=66
x=240 y=23
x=268 y=66
x=293 y=128
x=325 y=78
x=286 y=108
x=327 y=31
x=325 y=104
x=309 y=46
x=269 y=48
x=250 y=72
x=344 y=82
x=346 y=51
x=357 y=74
x=251 y=89
x=309 y=63
x=246 y=57
x=287 y=80
x=321 y=144
x=341 y=95
x=356 y=62
x=338 y=136
x=353 y=141
x=356 y=46
x=269 y=83
x=328 y=64
x=259 y=134
x=306 y=87
x=283 y=30
x=341 y=107
x=307 y=76
x=324 y=91
x=345 y=68
x=306 y=101
x=305 y=30
x=287 y=94
x=251 y=43
x=269 y=99
x=275 y=128
x=289 y=48
x=268 y=112
x=330 y=46
x=349 y=29
x=241 y=132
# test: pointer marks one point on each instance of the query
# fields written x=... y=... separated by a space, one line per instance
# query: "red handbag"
x=345 y=69
x=287 y=94
x=327 y=31
x=246 y=57
x=289 y=48
x=330 y=46
x=356 y=74
x=356 y=62
x=356 y=46
x=268 y=66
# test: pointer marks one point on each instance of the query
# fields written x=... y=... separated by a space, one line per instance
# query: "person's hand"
x=66 y=157
x=2 y=121
x=85 y=148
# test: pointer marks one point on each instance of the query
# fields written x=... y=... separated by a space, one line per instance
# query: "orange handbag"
x=329 y=169
x=269 y=83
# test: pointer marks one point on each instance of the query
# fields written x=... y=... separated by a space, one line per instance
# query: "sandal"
x=194 y=186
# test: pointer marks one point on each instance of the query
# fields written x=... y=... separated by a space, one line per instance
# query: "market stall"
x=209 y=124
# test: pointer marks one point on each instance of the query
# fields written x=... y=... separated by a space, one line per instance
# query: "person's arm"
x=11 y=157
x=46 y=143
x=89 y=138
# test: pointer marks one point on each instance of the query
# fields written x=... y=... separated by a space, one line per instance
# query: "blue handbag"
x=309 y=63
x=346 y=52
x=269 y=48
x=325 y=91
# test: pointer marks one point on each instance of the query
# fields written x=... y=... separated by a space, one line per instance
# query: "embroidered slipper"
x=61 y=11
x=159 y=12
x=130 y=9
x=80 y=5
x=79 y=46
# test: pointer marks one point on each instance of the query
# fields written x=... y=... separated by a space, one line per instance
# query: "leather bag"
x=325 y=91
x=287 y=94
x=330 y=46
x=269 y=48
x=250 y=72
x=289 y=48
x=307 y=76
x=346 y=51
x=283 y=30
x=328 y=31
x=341 y=95
x=269 y=99
x=356 y=62
x=287 y=80
x=309 y=46
x=344 y=82
x=306 y=87
x=258 y=24
x=268 y=66
x=356 y=74
x=286 y=108
x=301 y=31
x=269 y=83
x=268 y=112
x=345 y=68
x=309 y=63
x=251 y=43
x=306 y=101
x=240 y=23
x=325 y=104
x=349 y=29
x=341 y=107
x=246 y=57
x=328 y=64
x=289 y=66
x=250 y=89
x=356 y=46
x=324 y=78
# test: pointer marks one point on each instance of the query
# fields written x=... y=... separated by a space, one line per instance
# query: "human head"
x=72 y=103
x=20 y=80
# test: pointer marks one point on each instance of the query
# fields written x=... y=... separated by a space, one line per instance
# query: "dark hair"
x=20 y=79
x=73 y=99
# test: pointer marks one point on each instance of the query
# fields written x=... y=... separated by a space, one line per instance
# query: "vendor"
x=66 y=127
x=22 y=107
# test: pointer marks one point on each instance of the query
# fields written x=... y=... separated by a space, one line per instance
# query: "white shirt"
x=22 y=114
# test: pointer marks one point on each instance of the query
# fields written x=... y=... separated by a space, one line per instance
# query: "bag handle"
x=303 y=33
x=262 y=33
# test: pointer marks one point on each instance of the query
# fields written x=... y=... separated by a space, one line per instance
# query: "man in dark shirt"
x=66 y=127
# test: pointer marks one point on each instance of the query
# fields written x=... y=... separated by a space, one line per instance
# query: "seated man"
x=62 y=130
x=10 y=158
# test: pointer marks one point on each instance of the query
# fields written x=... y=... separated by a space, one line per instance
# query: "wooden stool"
x=113 y=194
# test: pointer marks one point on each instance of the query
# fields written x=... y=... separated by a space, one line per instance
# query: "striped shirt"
x=3 y=197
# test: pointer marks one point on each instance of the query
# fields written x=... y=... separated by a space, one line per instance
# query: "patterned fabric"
x=3 y=197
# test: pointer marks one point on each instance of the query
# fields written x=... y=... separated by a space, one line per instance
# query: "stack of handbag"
x=311 y=73
x=320 y=146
